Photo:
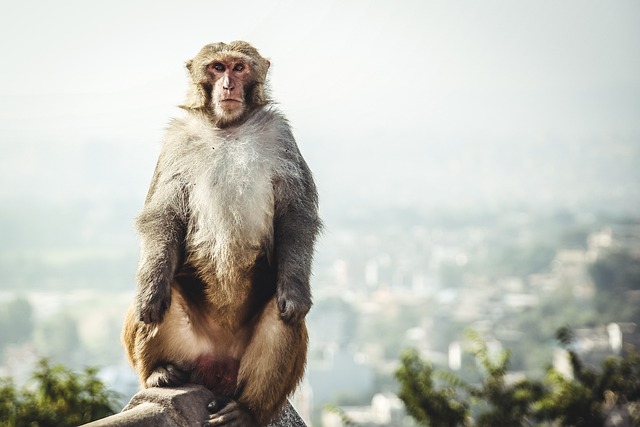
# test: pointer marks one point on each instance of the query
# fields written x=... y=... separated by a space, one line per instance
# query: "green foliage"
x=426 y=404
x=344 y=418
x=569 y=402
x=55 y=397
x=505 y=405
x=584 y=400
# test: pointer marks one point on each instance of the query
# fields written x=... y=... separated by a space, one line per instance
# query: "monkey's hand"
x=168 y=375
x=152 y=302
x=229 y=414
x=293 y=306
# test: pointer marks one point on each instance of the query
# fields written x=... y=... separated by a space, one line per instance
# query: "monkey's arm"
x=161 y=225
x=295 y=230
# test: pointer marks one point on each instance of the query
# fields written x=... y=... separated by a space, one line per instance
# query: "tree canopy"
x=55 y=397
x=440 y=399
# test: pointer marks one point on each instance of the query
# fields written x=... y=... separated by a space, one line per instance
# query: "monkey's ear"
x=189 y=64
x=197 y=96
x=268 y=64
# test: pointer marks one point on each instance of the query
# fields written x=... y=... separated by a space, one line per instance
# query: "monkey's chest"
x=231 y=202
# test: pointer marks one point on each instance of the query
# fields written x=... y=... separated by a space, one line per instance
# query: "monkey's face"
x=230 y=81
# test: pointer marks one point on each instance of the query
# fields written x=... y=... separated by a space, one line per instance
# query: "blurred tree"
x=616 y=272
x=436 y=398
x=506 y=404
x=424 y=402
x=55 y=397
x=586 y=399
x=16 y=322
x=616 y=276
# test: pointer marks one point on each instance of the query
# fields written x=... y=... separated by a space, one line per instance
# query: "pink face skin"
x=228 y=88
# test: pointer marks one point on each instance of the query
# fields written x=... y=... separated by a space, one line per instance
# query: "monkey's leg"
x=271 y=368
x=137 y=337
x=150 y=347
x=129 y=332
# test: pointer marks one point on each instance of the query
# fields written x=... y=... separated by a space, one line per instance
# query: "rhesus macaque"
x=227 y=235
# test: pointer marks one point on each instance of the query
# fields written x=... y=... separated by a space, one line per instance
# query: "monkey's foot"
x=168 y=375
x=229 y=413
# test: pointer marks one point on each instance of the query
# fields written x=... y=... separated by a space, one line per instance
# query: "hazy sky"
x=112 y=68
x=361 y=73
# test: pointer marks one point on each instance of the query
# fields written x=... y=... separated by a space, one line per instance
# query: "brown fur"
x=199 y=93
x=227 y=231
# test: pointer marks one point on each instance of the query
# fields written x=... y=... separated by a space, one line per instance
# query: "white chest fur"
x=231 y=198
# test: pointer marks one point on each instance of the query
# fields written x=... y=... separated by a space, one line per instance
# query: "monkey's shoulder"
x=263 y=142
x=266 y=127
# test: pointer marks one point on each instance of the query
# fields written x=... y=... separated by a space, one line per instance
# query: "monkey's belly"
x=192 y=337
x=220 y=375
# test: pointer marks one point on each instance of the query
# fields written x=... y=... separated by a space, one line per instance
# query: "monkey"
x=227 y=234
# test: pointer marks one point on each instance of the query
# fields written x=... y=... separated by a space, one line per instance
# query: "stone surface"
x=178 y=407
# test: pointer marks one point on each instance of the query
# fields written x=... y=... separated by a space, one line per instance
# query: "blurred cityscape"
x=511 y=242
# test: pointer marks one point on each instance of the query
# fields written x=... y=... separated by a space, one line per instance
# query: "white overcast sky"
x=373 y=88
x=114 y=69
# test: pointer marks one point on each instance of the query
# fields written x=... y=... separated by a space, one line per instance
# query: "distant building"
x=386 y=410
x=570 y=267
x=593 y=345
x=615 y=237
x=342 y=374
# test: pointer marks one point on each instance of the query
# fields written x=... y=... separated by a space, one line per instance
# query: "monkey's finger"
x=176 y=374
x=213 y=422
x=287 y=317
x=222 y=420
x=230 y=408
x=286 y=310
x=290 y=315
x=216 y=405
x=150 y=318
x=282 y=305
x=156 y=314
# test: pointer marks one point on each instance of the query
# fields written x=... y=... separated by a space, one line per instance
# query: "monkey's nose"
x=226 y=83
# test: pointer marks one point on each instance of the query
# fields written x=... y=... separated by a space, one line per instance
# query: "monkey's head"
x=228 y=80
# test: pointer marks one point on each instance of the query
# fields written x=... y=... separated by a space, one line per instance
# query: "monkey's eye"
x=218 y=66
x=238 y=67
